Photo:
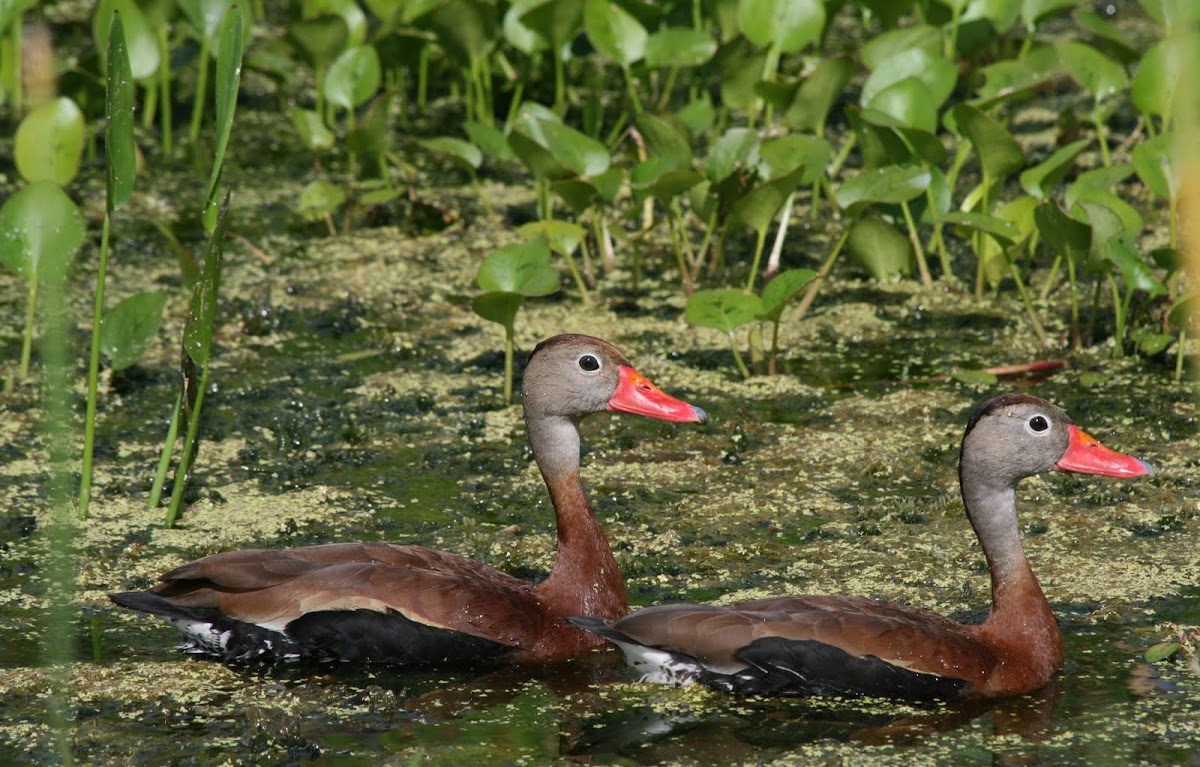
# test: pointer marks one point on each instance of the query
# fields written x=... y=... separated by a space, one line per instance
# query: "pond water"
x=354 y=395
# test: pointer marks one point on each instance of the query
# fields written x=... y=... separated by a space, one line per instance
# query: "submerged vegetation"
x=864 y=205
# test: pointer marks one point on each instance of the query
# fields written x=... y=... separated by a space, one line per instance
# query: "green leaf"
x=729 y=151
x=999 y=153
x=818 y=93
x=490 y=139
x=938 y=74
x=723 y=309
x=893 y=184
x=887 y=141
x=468 y=30
x=523 y=268
x=1182 y=312
x=498 y=307
x=908 y=101
x=1043 y=179
x=319 y=39
x=202 y=316
x=681 y=47
x=519 y=32
x=562 y=236
x=1162 y=651
x=882 y=47
x=319 y=199
x=1009 y=78
x=1095 y=180
x=782 y=155
x=1156 y=80
x=353 y=77
x=1150 y=343
x=356 y=20
x=785 y=25
x=1136 y=274
x=1154 y=162
x=120 y=152
x=1062 y=233
x=654 y=179
x=1127 y=216
x=229 y=76
x=780 y=291
x=576 y=151
x=879 y=249
x=40 y=231
x=1005 y=232
x=699 y=114
x=454 y=147
x=665 y=141
x=557 y=21
x=1099 y=75
x=49 y=142
x=757 y=208
x=1033 y=11
x=204 y=17
x=616 y=34
x=129 y=327
x=312 y=129
x=141 y=41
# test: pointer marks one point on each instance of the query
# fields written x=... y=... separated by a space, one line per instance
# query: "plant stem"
x=1101 y=136
x=27 y=340
x=1076 y=341
x=785 y=216
x=422 y=78
x=164 y=460
x=1033 y=320
x=918 y=251
x=93 y=381
x=759 y=242
x=737 y=357
x=164 y=87
x=772 y=361
x=184 y=469
x=1181 y=343
x=811 y=294
x=508 y=363
x=1119 y=316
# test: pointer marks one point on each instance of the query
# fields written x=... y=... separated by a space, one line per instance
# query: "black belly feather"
x=358 y=636
x=803 y=667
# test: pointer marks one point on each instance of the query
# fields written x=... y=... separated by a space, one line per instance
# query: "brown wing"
x=271 y=588
x=913 y=639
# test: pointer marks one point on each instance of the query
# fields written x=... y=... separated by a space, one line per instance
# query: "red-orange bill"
x=1085 y=454
x=637 y=395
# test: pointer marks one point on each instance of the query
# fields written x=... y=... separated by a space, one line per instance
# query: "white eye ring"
x=589 y=363
x=1038 y=424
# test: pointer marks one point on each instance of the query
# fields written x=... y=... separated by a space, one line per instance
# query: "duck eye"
x=589 y=363
x=1038 y=424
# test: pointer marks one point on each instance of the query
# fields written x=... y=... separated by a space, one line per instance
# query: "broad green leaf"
x=1131 y=221
x=730 y=150
x=679 y=47
x=723 y=309
x=1109 y=36
x=999 y=153
x=665 y=141
x=576 y=151
x=141 y=42
x=205 y=16
x=740 y=79
x=49 y=142
x=129 y=327
x=120 y=152
x=888 y=141
x=1033 y=11
x=1172 y=14
x=356 y=20
x=1136 y=274
x=938 y=74
x=202 y=316
x=618 y=35
x=780 y=291
x=498 y=307
x=229 y=76
x=1103 y=179
x=893 y=184
x=1099 y=75
x=1005 y=79
x=319 y=199
x=879 y=249
x=519 y=33
x=1183 y=311
x=1043 y=179
x=353 y=77
x=1158 y=76
x=467 y=29
x=536 y=157
x=456 y=148
x=785 y=25
x=757 y=208
x=312 y=129
x=818 y=93
x=908 y=101
x=1062 y=233
x=655 y=178
x=1150 y=343
x=699 y=114
x=40 y=231
x=884 y=46
x=556 y=21
x=562 y=236
x=490 y=139
x=319 y=39
x=1154 y=162
x=1004 y=231
x=782 y=155
x=523 y=268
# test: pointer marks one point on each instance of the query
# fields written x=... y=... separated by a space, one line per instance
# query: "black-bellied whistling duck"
x=414 y=606
x=841 y=645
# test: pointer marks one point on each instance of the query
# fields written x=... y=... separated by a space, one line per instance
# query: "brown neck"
x=1022 y=631
x=585 y=579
